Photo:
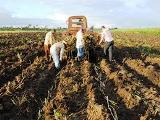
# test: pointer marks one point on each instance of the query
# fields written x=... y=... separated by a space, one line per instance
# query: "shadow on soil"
x=134 y=53
x=125 y=53
x=123 y=112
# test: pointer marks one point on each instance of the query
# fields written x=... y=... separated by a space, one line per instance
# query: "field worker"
x=49 y=40
x=80 y=44
x=70 y=39
x=91 y=28
x=56 y=51
x=108 y=40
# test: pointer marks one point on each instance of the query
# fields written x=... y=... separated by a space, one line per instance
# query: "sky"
x=54 y=13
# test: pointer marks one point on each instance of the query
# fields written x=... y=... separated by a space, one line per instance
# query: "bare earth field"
x=93 y=89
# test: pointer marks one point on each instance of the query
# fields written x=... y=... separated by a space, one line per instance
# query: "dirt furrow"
x=130 y=82
x=6 y=55
x=123 y=91
x=19 y=80
x=76 y=95
x=119 y=77
x=9 y=73
x=69 y=98
x=96 y=110
x=154 y=60
x=9 y=90
x=35 y=93
x=147 y=71
x=147 y=92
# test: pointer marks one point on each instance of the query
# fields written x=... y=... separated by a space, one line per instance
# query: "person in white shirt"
x=49 y=40
x=80 y=44
x=56 y=51
x=107 y=38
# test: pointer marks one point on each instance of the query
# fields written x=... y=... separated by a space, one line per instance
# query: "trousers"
x=47 y=50
x=109 y=47
x=55 y=57
x=80 y=52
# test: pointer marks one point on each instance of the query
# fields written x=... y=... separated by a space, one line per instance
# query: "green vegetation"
x=146 y=41
x=29 y=28
x=151 y=31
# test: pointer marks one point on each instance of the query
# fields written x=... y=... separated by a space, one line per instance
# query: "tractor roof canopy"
x=76 y=22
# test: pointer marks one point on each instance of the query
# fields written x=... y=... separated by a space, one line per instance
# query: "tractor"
x=90 y=37
x=76 y=22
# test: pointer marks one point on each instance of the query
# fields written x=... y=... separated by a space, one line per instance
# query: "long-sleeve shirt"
x=49 y=39
x=58 y=49
x=106 y=36
x=79 y=41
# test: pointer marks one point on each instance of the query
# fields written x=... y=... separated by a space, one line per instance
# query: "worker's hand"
x=49 y=45
x=98 y=45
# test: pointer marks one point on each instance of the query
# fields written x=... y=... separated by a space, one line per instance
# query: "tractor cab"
x=75 y=23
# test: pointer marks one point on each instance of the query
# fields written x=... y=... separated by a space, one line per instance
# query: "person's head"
x=103 y=27
x=53 y=31
x=91 y=28
x=69 y=34
x=81 y=29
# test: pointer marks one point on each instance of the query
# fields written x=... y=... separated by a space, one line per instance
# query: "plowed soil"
x=93 y=89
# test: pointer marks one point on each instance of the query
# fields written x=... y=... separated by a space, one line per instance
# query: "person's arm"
x=46 y=39
x=102 y=37
x=76 y=36
x=61 y=52
x=53 y=39
x=83 y=42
